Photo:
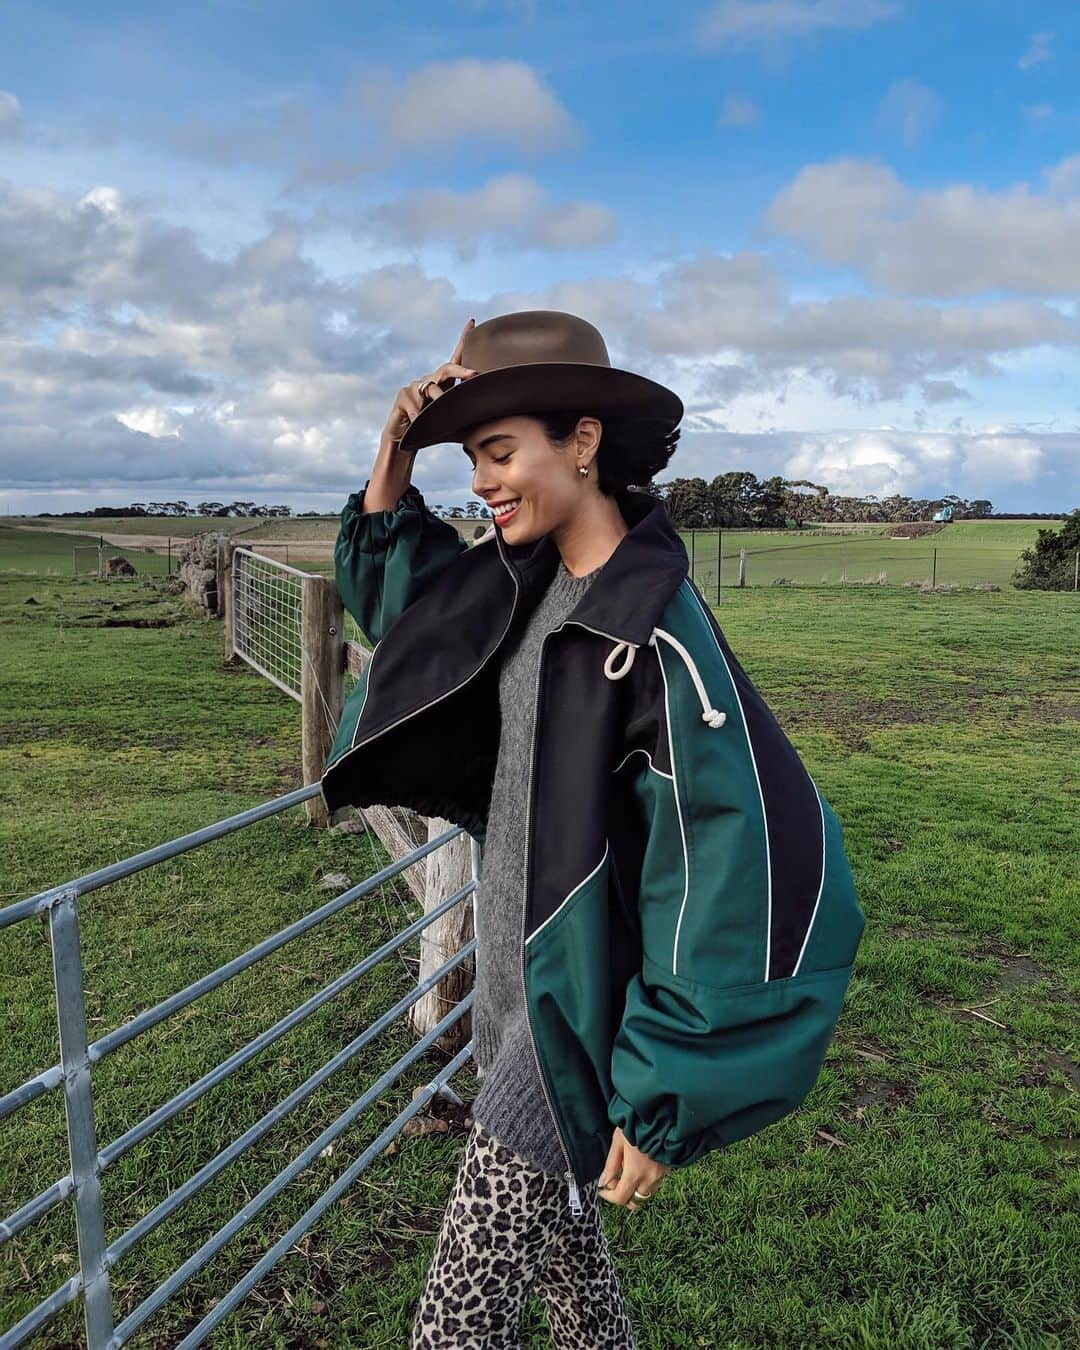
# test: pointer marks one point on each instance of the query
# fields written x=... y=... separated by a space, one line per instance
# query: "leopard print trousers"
x=508 y=1232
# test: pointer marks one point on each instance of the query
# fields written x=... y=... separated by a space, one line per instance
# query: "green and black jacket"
x=691 y=919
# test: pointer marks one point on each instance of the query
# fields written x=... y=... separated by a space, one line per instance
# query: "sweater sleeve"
x=383 y=560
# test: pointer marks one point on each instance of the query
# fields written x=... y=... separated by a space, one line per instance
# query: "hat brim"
x=539 y=386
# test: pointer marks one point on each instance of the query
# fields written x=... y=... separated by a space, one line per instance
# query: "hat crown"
x=530 y=336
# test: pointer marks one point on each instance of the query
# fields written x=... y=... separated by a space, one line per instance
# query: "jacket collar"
x=633 y=587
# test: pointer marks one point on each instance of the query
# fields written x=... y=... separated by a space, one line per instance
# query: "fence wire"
x=267 y=618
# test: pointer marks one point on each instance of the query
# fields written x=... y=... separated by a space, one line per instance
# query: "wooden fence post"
x=448 y=869
x=430 y=881
x=219 y=560
x=742 y=567
x=228 y=600
x=322 y=681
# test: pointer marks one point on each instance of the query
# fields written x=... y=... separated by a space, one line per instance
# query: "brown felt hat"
x=537 y=360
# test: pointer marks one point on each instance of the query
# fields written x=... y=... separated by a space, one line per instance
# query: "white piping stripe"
x=821 y=886
x=753 y=761
x=363 y=703
x=678 y=812
x=640 y=750
x=563 y=903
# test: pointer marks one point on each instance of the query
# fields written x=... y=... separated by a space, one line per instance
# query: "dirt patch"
x=880 y=1092
x=1063 y=1064
x=121 y=621
x=1014 y=968
x=849 y=717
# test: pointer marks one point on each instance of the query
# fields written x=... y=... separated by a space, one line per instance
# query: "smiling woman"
x=526 y=469
x=652 y=981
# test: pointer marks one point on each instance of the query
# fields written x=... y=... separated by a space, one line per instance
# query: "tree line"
x=734 y=500
x=182 y=508
x=741 y=500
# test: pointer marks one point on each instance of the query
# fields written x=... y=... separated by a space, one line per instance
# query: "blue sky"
x=846 y=232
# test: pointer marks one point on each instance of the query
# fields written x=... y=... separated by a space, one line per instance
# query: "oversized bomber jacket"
x=691 y=918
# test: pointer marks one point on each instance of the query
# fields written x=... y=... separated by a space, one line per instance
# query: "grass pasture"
x=968 y=552
x=926 y=1195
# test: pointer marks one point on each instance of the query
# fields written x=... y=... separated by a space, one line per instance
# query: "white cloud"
x=1038 y=52
x=1017 y=459
x=11 y=123
x=512 y=211
x=910 y=106
x=157 y=362
x=1037 y=114
x=741 y=22
x=156 y=422
x=1063 y=179
x=953 y=241
x=739 y=112
x=447 y=103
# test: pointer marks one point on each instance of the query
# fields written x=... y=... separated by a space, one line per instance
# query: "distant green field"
x=968 y=552
x=177 y=526
x=49 y=552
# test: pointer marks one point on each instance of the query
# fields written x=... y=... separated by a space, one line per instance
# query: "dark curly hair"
x=634 y=447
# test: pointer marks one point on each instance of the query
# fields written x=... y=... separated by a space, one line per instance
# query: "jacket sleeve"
x=715 y=1052
x=695 y=1069
x=383 y=560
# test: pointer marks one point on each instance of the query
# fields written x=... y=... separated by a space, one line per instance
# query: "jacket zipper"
x=571 y=1180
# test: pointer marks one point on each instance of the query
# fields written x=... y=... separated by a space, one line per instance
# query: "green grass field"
x=926 y=1195
x=177 y=526
x=968 y=552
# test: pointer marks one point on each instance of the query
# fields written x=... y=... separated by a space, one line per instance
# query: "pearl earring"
x=583 y=469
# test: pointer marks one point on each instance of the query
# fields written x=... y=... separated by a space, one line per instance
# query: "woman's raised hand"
x=407 y=402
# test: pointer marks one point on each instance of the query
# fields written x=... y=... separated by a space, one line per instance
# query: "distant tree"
x=690 y=503
x=1051 y=564
x=769 y=507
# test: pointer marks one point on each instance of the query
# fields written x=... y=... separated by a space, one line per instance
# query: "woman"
x=666 y=922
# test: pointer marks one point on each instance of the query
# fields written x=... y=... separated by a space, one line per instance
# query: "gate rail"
x=87 y=1160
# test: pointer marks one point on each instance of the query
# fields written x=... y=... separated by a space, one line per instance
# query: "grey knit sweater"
x=511 y=1104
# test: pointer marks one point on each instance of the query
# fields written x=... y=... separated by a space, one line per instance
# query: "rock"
x=335 y=881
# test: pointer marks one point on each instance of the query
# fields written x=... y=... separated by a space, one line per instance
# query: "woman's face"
x=513 y=461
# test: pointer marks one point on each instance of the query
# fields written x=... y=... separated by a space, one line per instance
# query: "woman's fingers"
x=445 y=375
x=456 y=354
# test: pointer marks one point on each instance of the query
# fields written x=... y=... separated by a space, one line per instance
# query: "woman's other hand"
x=639 y=1173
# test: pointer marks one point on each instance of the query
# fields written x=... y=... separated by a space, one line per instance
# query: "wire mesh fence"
x=268 y=618
x=93 y=564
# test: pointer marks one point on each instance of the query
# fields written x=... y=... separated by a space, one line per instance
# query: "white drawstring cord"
x=710 y=715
